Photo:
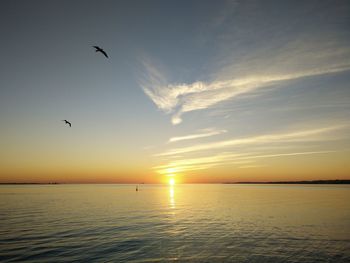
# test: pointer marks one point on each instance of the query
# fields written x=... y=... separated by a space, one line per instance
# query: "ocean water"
x=184 y=223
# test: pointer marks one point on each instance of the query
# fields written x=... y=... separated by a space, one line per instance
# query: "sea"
x=180 y=223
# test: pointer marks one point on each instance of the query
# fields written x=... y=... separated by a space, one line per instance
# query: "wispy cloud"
x=180 y=98
x=303 y=135
x=287 y=154
x=201 y=134
x=196 y=163
x=247 y=160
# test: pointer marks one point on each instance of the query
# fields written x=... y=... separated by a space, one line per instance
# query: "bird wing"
x=70 y=125
x=97 y=48
x=104 y=53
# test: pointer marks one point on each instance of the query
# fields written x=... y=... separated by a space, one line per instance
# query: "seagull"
x=98 y=49
x=67 y=122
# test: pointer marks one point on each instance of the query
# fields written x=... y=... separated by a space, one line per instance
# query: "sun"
x=171 y=181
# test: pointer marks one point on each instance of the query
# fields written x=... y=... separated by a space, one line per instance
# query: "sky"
x=195 y=91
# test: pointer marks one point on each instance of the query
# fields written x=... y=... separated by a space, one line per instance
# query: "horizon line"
x=317 y=181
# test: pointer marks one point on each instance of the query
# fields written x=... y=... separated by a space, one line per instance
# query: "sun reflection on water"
x=171 y=196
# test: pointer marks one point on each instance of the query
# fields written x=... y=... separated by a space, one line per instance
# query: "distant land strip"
x=297 y=182
x=30 y=183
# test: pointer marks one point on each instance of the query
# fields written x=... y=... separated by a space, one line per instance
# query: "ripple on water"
x=211 y=223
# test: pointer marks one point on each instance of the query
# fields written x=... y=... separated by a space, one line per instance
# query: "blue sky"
x=193 y=89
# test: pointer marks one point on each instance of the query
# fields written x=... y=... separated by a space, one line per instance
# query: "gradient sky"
x=206 y=91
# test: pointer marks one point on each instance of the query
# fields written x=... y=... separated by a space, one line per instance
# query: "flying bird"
x=67 y=122
x=98 y=49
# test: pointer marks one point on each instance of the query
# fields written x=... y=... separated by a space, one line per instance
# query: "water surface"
x=186 y=223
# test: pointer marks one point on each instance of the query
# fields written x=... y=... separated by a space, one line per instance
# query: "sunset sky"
x=201 y=91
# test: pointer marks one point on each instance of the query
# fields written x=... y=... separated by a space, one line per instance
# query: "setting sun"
x=171 y=181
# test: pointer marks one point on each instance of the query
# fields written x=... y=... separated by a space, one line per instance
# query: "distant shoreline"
x=27 y=183
x=337 y=181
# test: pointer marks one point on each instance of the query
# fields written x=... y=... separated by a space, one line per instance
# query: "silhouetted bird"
x=67 y=122
x=98 y=49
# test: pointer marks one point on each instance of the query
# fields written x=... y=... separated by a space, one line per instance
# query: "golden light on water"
x=171 y=196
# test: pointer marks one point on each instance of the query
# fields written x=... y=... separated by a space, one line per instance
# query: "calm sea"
x=185 y=223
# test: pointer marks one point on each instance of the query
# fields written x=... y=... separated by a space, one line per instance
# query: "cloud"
x=288 y=154
x=196 y=163
x=240 y=160
x=202 y=134
x=295 y=136
x=152 y=83
x=180 y=98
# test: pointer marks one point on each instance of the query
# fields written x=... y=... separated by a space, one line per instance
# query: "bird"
x=98 y=49
x=67 y=122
